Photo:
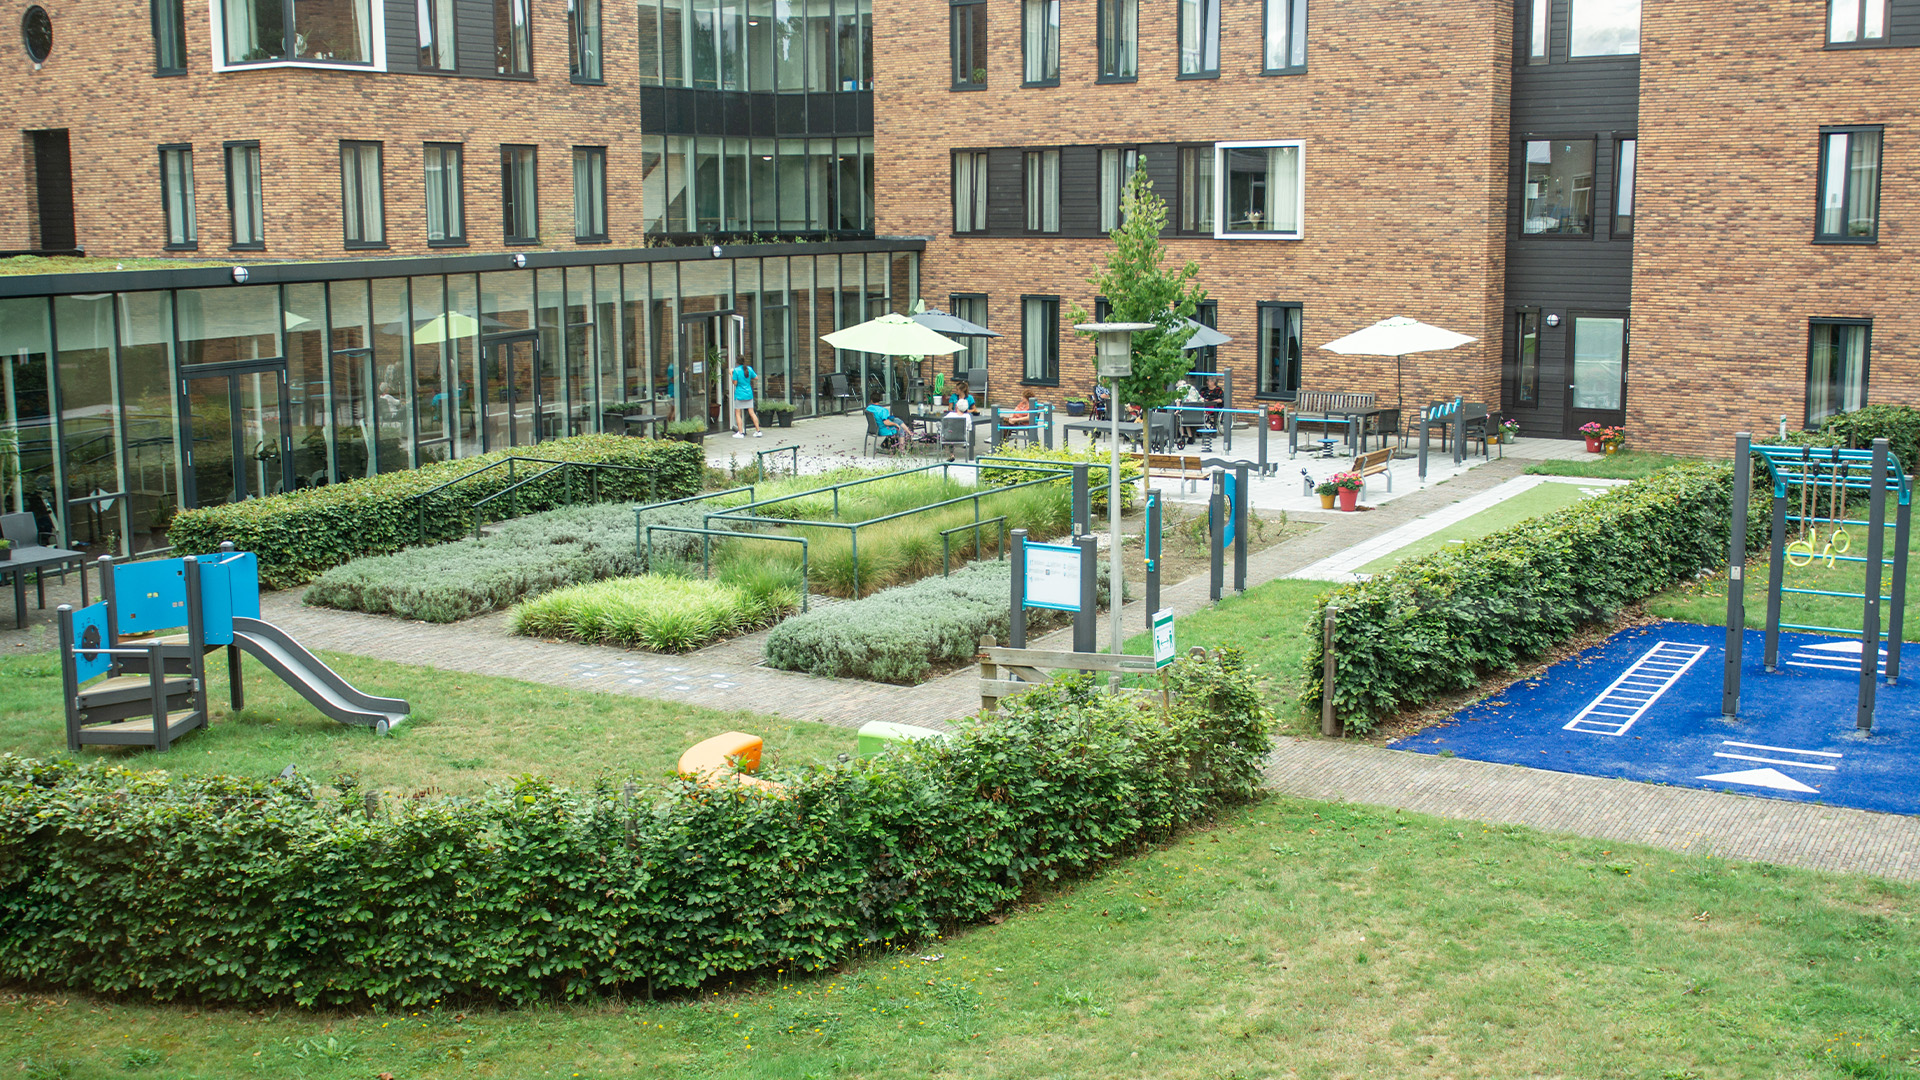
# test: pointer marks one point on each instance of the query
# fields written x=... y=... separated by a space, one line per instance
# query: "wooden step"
x=140 y=732
x=124 y=688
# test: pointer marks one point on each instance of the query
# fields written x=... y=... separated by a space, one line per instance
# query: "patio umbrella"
x=942 y=323
x=440 y=328
x=1396 y=337
x=1204 y=336
x=892 y=335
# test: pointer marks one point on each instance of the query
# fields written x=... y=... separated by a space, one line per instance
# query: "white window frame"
x=376 y=14
x=1220 y=231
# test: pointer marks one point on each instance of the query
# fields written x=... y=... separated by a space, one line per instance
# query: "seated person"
x=962 y=396
x=1023 y=412
x=891 y=428
x=1101 y=395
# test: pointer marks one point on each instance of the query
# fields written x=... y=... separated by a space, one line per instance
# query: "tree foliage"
x=1138 y=289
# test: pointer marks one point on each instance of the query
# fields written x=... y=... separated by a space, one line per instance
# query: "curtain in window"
x=969 y=192
x=360 y=193
x=443 y=193
x=512 y=49
x=1836 y=370
x=332 y=30
x=1199 y=36
x=1043 y=191
x=1283 y=187
x=1037 y=337
x=1286 y=34
x=436 y=34
x=179 y=184
x=243 y=182
x=1863 y=183
x=1279 y=349
x=244 y=34
x=1196 y=189
x=1041 y=40
x=1119 y=39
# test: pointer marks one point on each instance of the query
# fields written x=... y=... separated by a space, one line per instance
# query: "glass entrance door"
x=234 y=426
x=511 y=401
x=701 y=363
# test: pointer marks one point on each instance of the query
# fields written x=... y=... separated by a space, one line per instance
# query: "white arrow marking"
x=1767 y=778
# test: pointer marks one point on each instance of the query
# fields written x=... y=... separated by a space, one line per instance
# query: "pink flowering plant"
x=1346 y=481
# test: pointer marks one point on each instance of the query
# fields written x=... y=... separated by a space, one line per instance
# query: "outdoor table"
x=28 y=560
x=1129 y=429
x=645 y=421
x=1354 y=420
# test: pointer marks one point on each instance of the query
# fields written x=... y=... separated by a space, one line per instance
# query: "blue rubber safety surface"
x=1645 y=705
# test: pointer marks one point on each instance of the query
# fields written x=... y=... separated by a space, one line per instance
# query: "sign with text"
x=1163 y=647
x=1053 y=577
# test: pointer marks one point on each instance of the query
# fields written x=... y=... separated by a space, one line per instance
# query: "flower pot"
x=1276 y=422
x=1593 y=445
x=1611 y=450
x=1326 y=502
x=783 y=418
x=5 y=554
x=1349 y=498
x=1076 y=408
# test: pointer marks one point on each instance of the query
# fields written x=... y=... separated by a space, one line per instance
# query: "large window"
x=245 y=210
x=362 y=204
x=1557 y=193
x=967 y=26
x=1856 y=22
x=583 y=40
x=590 y=194
x=1043 y=191
x=519 y=194
x=1836 y=367
x=1199 y=38
x=512 y=38
x=1526 y=339
x=1119 y=40
x=1116 y=165
x=435 y=18
x=169 y=37
x=1259 y=187
x=1279 y=350
x=1040 y=42
x=1196 y=190
x=1040 y=339
x=1286 y=36
x=314 y=31
x=970 y=191
x=176 y=196
x=446 y=201
x=973 y=308
x=1604 y=28
x=1599 y=362
x=1623 y=187
x=1849 y=185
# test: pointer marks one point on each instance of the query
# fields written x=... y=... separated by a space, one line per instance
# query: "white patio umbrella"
x=1396 y=337
x=892 y=334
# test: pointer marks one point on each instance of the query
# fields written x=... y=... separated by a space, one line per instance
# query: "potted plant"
x=1347 y=484
x=693 y=431
x=1592 y=433
x=1277 y=417
x=1076 y=406
x=6 y=550
x=778 y=413
x=1326 y=490
x=1509 y=430
x=1613 y=439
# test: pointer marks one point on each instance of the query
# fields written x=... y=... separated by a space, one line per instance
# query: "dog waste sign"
x=1162 y=638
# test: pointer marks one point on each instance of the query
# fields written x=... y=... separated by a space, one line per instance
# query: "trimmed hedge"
x=900 y=635
x=301 y=533
x=1094 y=457
x=1440 y=623
x=255 y=893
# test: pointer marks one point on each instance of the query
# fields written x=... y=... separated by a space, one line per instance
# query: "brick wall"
x=98 y=83
x=1404 y=112
x=1726 y=273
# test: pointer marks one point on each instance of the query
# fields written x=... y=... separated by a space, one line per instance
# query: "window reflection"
x=1604 y=28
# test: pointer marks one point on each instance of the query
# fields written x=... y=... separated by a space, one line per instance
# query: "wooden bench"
x=1326 y=409
x=1182 y=467
x=1374 y=463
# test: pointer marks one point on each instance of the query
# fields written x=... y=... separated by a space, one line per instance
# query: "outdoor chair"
x=1163 y=432
x=956 y=431
x=838 y=391
x=875 y=439
x=977 y=385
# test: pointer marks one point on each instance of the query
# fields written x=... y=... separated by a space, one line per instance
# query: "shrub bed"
x=1440 y=623
x=901 y=635
x=660 y=612
x=519 y=559
x=1094 y=457
x=256 y=893
x=301 y=533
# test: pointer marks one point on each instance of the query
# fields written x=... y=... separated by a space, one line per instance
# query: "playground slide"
x=315 y=681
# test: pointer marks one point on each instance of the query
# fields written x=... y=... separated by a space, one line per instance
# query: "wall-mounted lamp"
x=239 y=275
x=1553 y=320
x=716 y=251
x=519 y=260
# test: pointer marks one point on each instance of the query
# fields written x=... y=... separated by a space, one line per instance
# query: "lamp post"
x=1113 y=361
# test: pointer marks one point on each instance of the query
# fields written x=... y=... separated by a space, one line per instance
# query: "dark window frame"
x=192 y=242
x=1860 y=26
x=1026 y=7
x=347 y=225
x=1209 y=12
x=291 y=38
x=503 y=12
x=1588 y=234
x=1124 y=174
x=963 y=360
x=259 y=204
x=978 y=223
x=426 y=14
x=176 y=9
x=510 y=154
x=1051 y=361
x=1297 y=16
x=578 y=34
x=1866 y=364
x=1622 y=168
x=1261 y=393
x=1179 y=218
x=1520 y=319
x=457 y=230
x=1027 y=159
x=1572 y=57
x=963 y=60
x=1538 y=35
x=1104 y=10
x=1571 y=325
x=1820 y=185
x=1207 y=313
x=591 y=153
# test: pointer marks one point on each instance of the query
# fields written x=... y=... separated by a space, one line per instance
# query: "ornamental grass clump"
x=659 y=612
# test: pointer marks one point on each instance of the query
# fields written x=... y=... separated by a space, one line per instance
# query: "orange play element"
x=712 y=761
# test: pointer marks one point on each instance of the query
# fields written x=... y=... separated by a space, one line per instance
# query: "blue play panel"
x=1645 y=705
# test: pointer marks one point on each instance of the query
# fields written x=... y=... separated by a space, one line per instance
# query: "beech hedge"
x=255 y=893
x=1441 y=623
x=298 y=535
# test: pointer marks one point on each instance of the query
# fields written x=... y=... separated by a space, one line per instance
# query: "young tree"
x=1139 y=290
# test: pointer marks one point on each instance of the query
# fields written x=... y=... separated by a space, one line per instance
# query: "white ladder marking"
x=1654 y=674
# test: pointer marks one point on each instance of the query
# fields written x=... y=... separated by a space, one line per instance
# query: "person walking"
x=743 y=376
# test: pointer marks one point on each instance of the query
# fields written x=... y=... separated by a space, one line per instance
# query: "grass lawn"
x=1269 y=624
x=1296 y=939
x=1536 y=501
x=466 y=733
x=1705 y=601
x=1625 y=465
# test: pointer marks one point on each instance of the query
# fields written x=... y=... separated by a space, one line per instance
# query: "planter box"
x=1076 y=408
x=783 y=418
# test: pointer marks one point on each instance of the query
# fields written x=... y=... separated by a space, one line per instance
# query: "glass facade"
x=130 y=405
x=785 y=46
x=721 y=184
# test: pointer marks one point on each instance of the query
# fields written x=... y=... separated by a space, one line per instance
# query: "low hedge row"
x=901 y=635
x=1094 y=457
x=301 y=533
x=1441 y=623
x=254 y=893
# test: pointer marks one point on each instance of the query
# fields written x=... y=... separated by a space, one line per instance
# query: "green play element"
x=1536 y=501
x=878 y=735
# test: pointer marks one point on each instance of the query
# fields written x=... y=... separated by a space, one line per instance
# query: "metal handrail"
x=946 y=542
x=592 y=477
x=706 y=552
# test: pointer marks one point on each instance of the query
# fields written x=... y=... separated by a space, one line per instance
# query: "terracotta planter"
x=1326 y=502
x=1349 y=498
x=1593 y=445
x=1276 y=422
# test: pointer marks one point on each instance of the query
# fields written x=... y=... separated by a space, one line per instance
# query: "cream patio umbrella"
x=1396 y=337
x=892 y=334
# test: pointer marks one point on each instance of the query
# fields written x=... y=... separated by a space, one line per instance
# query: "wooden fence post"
x=988 y=672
